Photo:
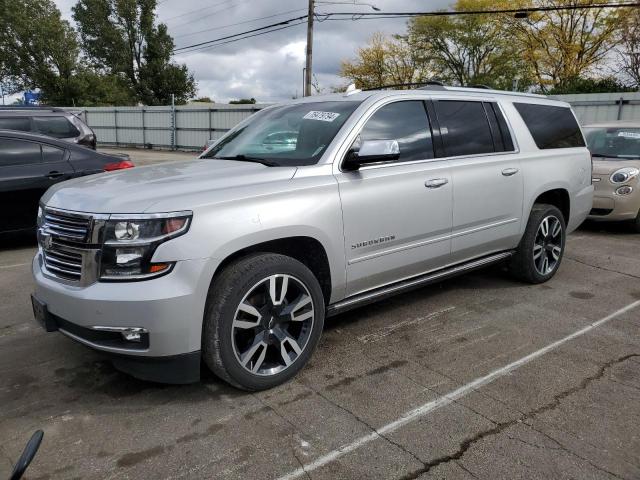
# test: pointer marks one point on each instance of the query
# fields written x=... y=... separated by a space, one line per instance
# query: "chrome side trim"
x=431 y=240
x=415 y=282
x=102 y=347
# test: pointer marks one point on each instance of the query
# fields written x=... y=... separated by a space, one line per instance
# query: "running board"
x=415 y=282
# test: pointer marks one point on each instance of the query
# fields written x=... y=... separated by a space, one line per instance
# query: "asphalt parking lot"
x=477 y=377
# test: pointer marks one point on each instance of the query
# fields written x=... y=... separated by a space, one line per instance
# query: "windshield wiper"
x=245 y=158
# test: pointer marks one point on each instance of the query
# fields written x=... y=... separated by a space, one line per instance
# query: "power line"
x=239 y=23
x=277 y=24
x=385 y=15
x=210 y=47
x=195 y=11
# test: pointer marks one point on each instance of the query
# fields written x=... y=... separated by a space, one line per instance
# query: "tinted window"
x=464 y=127
x=551 y=127
x=16 y=123
x=57 y=127
x=507 y=141
x=51 y=154
x=405 y=122
x=18 y=152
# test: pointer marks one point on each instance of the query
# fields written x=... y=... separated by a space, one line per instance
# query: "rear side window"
x=57 y=127
x=550 y=126
x=22 y=124
x=406 y=122
x=18 y=152
x=501 y=134
x=464 y=128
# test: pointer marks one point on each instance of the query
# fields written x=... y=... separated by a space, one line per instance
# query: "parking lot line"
x=448 y=398
x=15 y=265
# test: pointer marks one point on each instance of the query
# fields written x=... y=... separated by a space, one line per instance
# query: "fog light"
x=132 y=335
x=624 y=190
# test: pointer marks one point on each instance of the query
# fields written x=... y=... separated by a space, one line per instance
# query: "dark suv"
x=50 y=121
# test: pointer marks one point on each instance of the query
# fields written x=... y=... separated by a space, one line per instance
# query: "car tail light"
x=109 y=167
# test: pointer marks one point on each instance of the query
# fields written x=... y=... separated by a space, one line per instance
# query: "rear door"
x=397 y=215
x=487 y=181
x=27 y=170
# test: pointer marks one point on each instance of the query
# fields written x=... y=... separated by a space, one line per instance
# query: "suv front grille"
x=71 y=227
x=63 y=262
x=70 y=244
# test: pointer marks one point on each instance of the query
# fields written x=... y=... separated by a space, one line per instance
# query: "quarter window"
x=57 y=127
x=18 y=152
x=22 y=124
x=464 y=127
x=550 y=126
x=406 y=122
x=51 y=154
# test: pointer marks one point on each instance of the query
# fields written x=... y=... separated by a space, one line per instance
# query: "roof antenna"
x=351 y=90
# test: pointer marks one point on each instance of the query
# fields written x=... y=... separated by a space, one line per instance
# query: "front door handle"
x=436 y=182
x=507 y=172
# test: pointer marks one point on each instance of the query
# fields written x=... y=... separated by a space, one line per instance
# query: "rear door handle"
x=507 y=172
x=436 y=182
x=54 y=174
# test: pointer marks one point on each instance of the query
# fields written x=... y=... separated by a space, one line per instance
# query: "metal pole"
x=115 y=124
x=144 y=133
x=620 y=107
x=173 y=122
x=308 y=71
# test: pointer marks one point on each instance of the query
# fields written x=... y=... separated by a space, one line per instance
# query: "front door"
x=397 y=215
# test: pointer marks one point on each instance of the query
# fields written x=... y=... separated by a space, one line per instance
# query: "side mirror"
x=27 y=455
x=372 y=151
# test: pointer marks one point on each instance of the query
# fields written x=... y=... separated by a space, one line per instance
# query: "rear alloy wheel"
x=263 y=319
x=539 y=254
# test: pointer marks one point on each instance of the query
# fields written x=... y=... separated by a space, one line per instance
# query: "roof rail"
x=479 y=85
x=432 y=84
x=31 y=107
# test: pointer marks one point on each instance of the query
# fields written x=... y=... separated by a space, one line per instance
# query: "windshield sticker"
x=322 y=116
x=629 y=134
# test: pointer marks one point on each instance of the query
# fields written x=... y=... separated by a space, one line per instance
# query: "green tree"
x=566 y=44
x=243 y=101
x=469 y=49
x=121 y=38
x=384 y=61
x=589 y=85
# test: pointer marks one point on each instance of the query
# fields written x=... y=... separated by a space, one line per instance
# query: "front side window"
x=464 y=127
x=18 y=152
x=22 y=124
x=551 y=126
x=287 y=135
x=615 y=142
x=406 y=122
x=56 y=127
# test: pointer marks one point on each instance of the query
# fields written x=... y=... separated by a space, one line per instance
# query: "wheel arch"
x=558 y=197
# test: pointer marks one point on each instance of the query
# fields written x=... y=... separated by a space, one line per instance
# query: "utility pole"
x=308 y=73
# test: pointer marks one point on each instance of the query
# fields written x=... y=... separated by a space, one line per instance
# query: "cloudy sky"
x=268 y=67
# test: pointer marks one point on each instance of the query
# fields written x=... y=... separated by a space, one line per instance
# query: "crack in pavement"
x=602 y=268
x=466 y=444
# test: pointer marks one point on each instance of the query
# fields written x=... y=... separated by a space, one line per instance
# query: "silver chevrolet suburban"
x=305 y=210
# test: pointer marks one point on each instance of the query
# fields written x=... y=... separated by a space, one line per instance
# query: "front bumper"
x=608 y=206
x=168 y=310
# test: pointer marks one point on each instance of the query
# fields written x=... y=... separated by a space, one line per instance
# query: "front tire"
x=540 y=252
x=263 y=319
x=635 y=224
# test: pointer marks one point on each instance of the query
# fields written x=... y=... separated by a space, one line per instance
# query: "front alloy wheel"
x=263 y=319
x=272 y=325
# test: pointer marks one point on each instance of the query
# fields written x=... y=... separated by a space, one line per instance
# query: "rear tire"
x=540 y=252
x=263 y=319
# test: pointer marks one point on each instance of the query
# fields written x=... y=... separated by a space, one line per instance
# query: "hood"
x=136 y=190
x=604 y=166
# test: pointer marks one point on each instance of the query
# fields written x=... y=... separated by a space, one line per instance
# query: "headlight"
x=624 y=175
x=131 y=240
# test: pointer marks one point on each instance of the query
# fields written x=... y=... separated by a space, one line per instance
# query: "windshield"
x=288 y=135
x=614 y=142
